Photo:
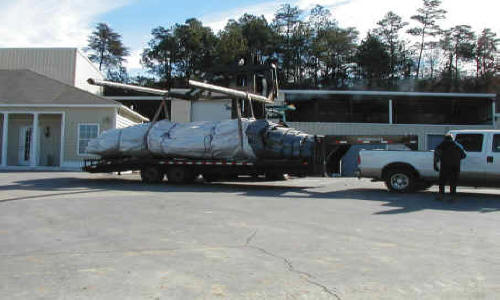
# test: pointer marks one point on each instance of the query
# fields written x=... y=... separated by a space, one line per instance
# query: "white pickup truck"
x=407 y=171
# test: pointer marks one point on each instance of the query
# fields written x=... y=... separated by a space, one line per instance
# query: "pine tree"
x=427 y=16
x=105 y=48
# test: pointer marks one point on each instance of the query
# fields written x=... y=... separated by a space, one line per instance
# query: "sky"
x=67 y=23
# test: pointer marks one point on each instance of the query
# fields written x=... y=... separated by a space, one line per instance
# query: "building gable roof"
x=25 y=87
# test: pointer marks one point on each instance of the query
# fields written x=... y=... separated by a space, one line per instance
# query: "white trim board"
x=388 y=93
x=480 y=126
x=60 y=105
x=78 y=105
x=134 y=113
x=40 y=168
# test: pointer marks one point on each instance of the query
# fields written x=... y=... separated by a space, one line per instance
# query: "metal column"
x=34 y=142
x=390 y=112
x=5 y=136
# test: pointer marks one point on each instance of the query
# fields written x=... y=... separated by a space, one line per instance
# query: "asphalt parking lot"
x=83 y=236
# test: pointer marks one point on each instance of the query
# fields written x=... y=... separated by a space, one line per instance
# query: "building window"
x=86 y=132
x=471 y=142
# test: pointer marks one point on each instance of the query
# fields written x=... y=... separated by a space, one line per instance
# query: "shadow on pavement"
x=400 y=203
x=405 y=203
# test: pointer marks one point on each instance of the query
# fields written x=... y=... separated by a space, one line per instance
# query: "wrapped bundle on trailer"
x=214 y=149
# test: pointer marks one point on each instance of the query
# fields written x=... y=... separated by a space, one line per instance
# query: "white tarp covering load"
x=226 y=141
x=207 y=140
x=118 y=142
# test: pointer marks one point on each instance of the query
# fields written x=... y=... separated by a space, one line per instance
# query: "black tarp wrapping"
x=272 y=141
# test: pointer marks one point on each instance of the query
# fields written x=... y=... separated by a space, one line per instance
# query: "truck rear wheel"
x=152 y=175
x=400 y=180
x=180 y=175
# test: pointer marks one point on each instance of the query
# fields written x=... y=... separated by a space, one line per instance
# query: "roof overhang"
x=135 y=98
x=119 y=106
x=59 y=105
x=134 y=113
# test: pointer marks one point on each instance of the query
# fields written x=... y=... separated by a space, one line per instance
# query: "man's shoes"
x=439 y=197
x=453 y=199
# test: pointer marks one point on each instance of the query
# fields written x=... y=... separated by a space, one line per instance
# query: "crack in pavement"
x=250 y=238
x=304 y=275
x=290 y=267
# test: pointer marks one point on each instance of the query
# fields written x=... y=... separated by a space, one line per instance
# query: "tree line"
x=311 y=50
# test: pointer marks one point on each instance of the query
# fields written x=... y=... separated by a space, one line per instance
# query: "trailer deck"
x=184 y=170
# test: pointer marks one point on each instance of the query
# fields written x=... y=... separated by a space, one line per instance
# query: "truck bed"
x=373 y=162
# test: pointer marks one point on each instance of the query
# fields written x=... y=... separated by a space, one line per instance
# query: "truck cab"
x=482 y=164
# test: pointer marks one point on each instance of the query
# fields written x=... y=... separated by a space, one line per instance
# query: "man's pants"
x=449 y=175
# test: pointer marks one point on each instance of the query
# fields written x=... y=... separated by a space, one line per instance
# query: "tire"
x=210 y=177
x=180 y=175
x=152 y=175
x=400 y=180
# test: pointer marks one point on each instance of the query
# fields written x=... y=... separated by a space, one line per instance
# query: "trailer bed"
x=153 y=168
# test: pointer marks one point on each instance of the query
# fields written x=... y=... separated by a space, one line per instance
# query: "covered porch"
x=31 y=140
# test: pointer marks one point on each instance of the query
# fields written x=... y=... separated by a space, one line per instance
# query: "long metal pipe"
x=227 y=91
x=127 y=87
x=194 y=83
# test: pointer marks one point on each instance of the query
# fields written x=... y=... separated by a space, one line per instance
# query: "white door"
x=473 y=166
x=24 y=150
x=493 y=160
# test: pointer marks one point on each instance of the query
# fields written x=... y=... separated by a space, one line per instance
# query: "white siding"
x=213 y=110
x=56 y=63
x=122 y=122
x=181 y=111
x=357 y=129
x=67 y=65
x=85 y=70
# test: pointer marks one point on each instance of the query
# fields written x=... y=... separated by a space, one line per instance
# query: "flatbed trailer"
x=185 y=170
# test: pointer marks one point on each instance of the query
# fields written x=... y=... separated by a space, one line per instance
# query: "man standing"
x=449 y=153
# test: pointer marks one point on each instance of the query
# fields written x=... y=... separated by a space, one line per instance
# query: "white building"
x=67 y=65
x=48 y=112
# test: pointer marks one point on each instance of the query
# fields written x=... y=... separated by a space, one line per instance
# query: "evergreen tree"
x=232 y=45
x=427 y=16
x=373 y=60
x=458 y=44
x=486 y=54
x=285 y=23
x=180 y=51
x=161 y=54
x=105 y=48
x=388 y=31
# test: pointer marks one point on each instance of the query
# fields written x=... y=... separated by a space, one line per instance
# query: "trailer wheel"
x=180 y=175
x=152 y=175
x=275 y=176
x=400 y=180
x=210 y=177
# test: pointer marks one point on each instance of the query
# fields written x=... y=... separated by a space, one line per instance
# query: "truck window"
x=471 y=142
x=496 y=143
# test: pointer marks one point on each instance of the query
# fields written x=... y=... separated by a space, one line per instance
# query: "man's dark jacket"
x=450 y=153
